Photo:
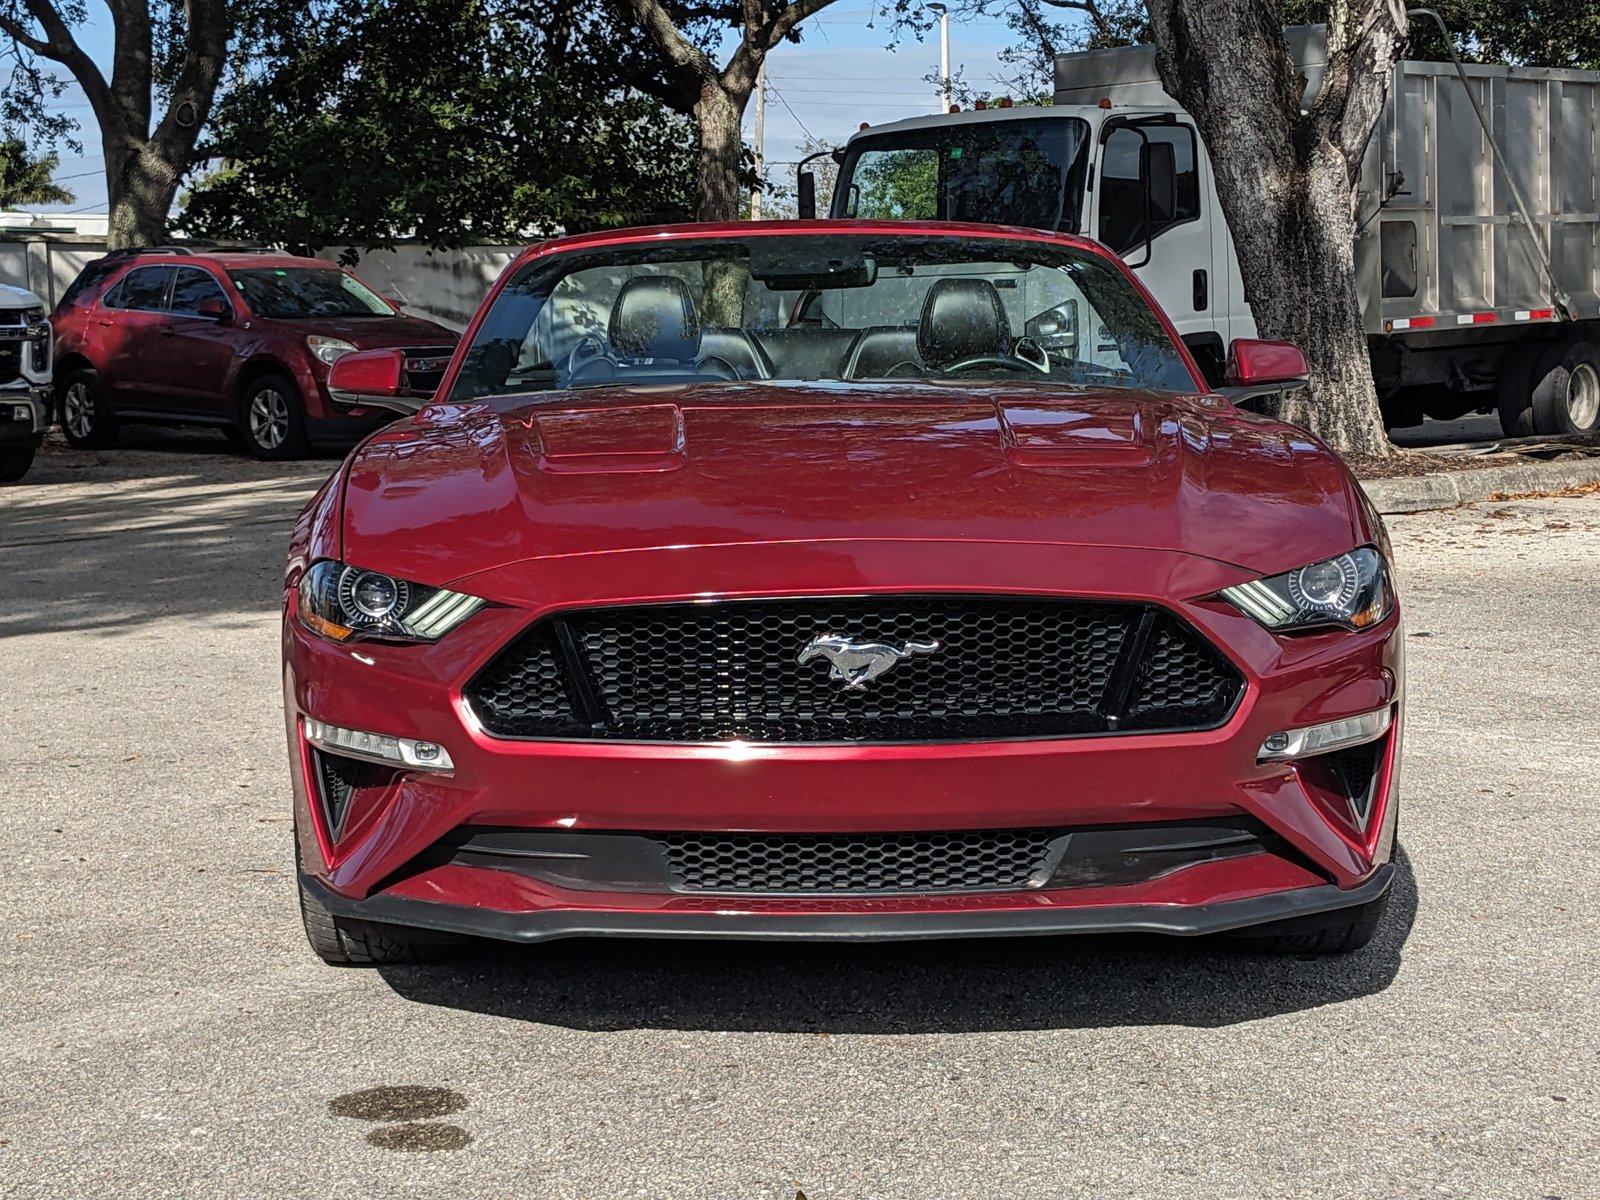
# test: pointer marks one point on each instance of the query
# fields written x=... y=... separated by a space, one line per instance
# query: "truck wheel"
x=86 y=418
x=1513 y=391
x=1566 y=388
x=272 y=420
x=14 y=462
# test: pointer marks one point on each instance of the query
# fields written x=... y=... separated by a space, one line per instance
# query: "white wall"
x=445 y=285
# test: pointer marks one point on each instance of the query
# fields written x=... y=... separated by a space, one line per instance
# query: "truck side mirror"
x=214 y=308
x=806 y=195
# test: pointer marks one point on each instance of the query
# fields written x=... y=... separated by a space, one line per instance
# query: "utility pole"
x=761 y=141
x=944 y=54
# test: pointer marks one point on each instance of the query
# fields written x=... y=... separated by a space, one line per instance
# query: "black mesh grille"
x=716 y=672
x=914 y=862
x=340 y=778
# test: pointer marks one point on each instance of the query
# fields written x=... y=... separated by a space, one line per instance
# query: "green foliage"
x=898 y=185
x=447 y=121
x=1551 y=33
x=25 y=178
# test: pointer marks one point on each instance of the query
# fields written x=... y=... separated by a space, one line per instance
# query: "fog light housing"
x=1327 y=737
x=384 y=748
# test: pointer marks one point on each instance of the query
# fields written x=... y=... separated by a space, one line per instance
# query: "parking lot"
x=168 y=1032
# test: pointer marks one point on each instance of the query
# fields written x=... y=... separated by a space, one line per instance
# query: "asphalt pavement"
x=167 y=1032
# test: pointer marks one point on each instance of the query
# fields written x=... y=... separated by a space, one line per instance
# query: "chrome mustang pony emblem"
x=856 y=663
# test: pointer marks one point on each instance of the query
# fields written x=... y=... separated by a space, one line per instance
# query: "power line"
x=803 y=127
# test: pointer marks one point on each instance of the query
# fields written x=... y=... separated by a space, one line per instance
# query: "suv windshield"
x=291 y=292
x=809 y=307
x=1022 y=171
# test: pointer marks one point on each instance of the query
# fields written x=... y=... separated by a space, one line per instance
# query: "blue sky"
x=840 y=75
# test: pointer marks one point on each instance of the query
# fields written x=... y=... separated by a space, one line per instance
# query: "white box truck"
x=1478 y=257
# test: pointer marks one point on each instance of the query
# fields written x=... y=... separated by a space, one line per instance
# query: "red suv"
x=238 y=339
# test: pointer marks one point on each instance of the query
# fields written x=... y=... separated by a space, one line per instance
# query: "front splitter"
x=550 y=924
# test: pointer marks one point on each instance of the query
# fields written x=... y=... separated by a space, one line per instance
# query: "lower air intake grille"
x=1003 y=860
x=983 y=667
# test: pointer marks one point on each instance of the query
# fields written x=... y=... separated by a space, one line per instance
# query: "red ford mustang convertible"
x=836 y=581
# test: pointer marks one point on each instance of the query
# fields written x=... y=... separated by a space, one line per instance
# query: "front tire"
x=341 y=943
x=1566 y=389
x=272 y=420
x=1338 y=932
x=85 y=414
x=15 y=461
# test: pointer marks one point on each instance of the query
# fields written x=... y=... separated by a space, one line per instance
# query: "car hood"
x=372 y=333
x=464 y=488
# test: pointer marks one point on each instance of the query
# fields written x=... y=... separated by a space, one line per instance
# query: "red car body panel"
x=177 y=365
x=732 y=491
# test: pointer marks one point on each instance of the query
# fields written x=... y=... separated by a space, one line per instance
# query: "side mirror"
x=806 y=195
x=1261 y=368
x=1056 y=329
x=1254 y=363
x=375 y=377
x=215 y=308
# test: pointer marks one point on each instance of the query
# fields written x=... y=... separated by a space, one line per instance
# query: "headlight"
x=342 y=602
x=1351 y=590
x=329 y=350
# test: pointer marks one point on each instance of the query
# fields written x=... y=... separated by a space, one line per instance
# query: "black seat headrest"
x=654 y=317
x=962 y=318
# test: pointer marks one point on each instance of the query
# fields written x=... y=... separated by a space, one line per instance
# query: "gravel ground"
x=167 y=1032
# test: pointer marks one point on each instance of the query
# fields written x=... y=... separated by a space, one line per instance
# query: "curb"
x=1450 y=489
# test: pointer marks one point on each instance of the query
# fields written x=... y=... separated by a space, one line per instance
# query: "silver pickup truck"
x=24 y=380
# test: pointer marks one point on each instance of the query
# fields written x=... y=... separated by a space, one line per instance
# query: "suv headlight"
x=329 y=350
x=342 y=602
x=1351 y=590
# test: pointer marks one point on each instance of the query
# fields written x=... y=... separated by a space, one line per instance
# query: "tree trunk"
x=718 y=114
x=140 y=188
x=1300 y=281
x=1286 y=181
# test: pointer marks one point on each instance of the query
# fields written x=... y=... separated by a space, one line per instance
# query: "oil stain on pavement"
x=407 y=1116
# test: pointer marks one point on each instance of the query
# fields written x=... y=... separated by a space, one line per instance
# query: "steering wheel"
x=590 y=347
x=1005 y=362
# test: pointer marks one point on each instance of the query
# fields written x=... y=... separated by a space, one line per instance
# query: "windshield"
x=291 y=292
x=1026 y=172
x=810 y=307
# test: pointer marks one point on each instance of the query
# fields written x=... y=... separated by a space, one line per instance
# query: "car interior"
x=654 y=335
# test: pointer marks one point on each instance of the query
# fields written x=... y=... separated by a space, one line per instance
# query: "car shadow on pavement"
x=923 y=987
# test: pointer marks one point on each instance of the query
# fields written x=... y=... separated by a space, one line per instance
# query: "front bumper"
x=378 y=866
x=24 y=413
x=1194 y=920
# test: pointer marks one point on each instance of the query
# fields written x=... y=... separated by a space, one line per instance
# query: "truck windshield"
x=1021 y=171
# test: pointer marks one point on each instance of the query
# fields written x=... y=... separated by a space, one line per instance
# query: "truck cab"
x=1135 y=178
x=25 y=348
x=1473 y=297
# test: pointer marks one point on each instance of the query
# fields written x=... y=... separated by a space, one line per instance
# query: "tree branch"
x=205 y=52
x=59 y=46
x=1364 y=41
x=681 y=54
x=791 y=16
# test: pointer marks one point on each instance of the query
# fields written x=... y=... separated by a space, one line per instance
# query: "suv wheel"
x=272 y=421
x=86 y=418
x=14 y=462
